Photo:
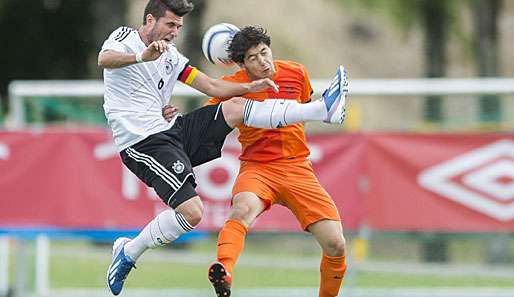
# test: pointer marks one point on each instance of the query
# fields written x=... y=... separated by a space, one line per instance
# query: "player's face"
x=258 y=62
x=166 y=27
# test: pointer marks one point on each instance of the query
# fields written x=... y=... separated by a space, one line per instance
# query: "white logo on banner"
x=4 y=151
x=216 y=178
x=316 y=153
x=486 y=178
x=129 y=182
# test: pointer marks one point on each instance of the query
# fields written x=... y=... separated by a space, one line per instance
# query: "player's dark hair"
x=158 y=8
x=244 y=40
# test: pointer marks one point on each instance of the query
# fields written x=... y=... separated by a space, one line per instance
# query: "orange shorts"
x=289 y=183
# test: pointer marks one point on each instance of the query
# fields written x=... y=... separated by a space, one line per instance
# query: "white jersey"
x=135 y=95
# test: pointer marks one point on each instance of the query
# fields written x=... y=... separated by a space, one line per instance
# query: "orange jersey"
x=264 y=145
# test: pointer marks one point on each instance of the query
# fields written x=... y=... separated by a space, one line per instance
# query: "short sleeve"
x=307 y=87
x=115 y=40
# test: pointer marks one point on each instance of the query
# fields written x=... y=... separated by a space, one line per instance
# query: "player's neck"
x=143 y=35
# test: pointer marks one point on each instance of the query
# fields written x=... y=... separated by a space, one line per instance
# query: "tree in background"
x=485 y=45
x=51 y=39
x=436 y=19
x=192 y=45
x=486 y=14
x=57 y=39
x=193 y=34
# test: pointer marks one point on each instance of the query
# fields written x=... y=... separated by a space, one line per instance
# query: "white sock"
x=164 y=228
x=276 y=113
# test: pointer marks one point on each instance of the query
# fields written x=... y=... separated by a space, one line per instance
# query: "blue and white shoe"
x=334 y=98
x=120 y=266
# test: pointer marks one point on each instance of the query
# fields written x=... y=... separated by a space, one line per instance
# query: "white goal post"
x=358 y=87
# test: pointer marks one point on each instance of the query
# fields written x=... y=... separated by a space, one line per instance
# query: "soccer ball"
x=215 y=43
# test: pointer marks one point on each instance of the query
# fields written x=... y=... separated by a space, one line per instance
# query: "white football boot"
x=334 y=98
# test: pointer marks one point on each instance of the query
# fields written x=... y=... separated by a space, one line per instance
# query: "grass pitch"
x=266 y=263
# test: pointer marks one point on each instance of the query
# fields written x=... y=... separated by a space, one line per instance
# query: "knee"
x=336 y=247
x=195 y=216
x=242 y=212
x=233 y=111
x=193 y=212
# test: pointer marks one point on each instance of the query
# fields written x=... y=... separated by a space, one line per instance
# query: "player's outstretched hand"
x=169 y=112
x=154 y=50
x=262 y=84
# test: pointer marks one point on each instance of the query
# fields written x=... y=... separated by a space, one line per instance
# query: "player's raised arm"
x=221 y=88
x=115 y=59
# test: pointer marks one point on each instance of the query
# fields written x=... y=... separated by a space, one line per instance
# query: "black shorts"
x=165 y=160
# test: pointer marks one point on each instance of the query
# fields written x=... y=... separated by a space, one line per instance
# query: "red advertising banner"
x=388 y=182
x=440 y=182
x=72 y=179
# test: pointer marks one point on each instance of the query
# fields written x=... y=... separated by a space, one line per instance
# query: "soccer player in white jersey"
x=141 y=68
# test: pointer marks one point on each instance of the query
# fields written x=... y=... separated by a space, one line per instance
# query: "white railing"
x=4 y=265
x=358 y=87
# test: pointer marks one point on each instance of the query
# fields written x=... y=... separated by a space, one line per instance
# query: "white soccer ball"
x=216 y=41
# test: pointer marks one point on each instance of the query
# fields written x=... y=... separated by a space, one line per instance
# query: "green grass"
x=162 y=268
x=179 y=275
x=397 y=280
x=175 y=274
x=169 y=273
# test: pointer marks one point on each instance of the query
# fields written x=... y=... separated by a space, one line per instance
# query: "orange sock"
x=231 y=241
x=332 y=271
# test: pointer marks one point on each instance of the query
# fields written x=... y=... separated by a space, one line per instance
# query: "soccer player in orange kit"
x=274 y=166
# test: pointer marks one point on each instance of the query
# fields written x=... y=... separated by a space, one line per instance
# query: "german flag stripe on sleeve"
x=188 y=75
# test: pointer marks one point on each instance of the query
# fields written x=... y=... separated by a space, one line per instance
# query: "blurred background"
x=422 y=171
